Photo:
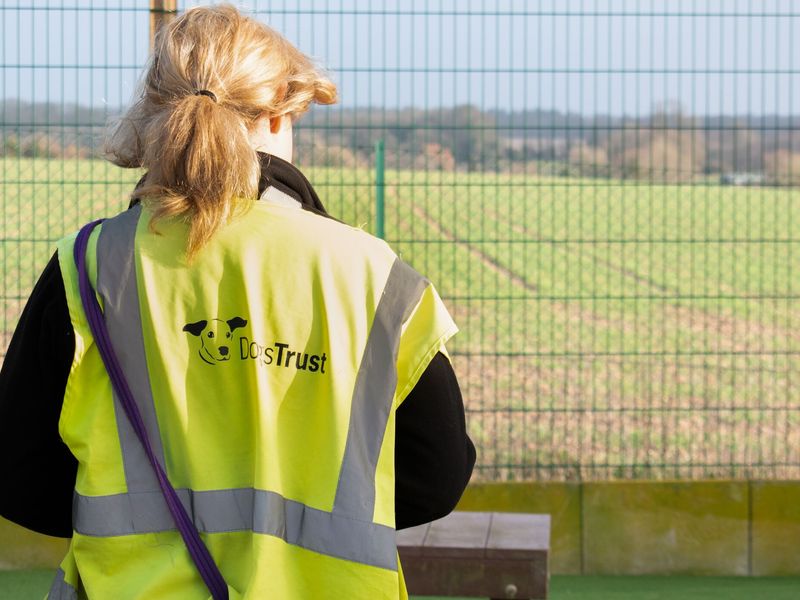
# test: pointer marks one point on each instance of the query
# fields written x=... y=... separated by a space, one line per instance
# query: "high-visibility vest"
x=267 y=371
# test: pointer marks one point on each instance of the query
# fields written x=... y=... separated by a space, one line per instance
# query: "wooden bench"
x=474 y=554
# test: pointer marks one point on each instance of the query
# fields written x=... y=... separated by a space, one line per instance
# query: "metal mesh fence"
x=605 y=193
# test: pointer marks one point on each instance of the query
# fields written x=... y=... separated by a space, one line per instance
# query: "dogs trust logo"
x=216 y=337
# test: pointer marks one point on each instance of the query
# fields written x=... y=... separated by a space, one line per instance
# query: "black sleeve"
x=434 y=456
x=36 y=467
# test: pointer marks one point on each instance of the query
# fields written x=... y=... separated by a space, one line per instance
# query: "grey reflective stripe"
x=374 y=390
x=243 y=509
x=60 y=589
x=116 y=284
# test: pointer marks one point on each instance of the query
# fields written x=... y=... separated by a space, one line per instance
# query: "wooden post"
x=161 y=13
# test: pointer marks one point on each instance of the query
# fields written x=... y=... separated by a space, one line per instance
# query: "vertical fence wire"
x=605 y=193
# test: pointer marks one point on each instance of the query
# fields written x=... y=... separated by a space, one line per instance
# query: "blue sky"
x=586 y=56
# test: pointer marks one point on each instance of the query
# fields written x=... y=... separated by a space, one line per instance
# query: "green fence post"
x=379 y=189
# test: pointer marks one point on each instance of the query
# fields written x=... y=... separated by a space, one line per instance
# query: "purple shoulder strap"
x=94 y=315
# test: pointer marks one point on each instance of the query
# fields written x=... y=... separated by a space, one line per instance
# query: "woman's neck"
x=273 y=136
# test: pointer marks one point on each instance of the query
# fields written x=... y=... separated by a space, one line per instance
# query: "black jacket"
x=434 y=457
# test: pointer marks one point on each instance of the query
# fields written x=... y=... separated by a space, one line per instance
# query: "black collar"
x=287 y=178
x=283 y=176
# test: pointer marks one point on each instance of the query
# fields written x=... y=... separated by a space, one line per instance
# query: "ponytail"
x=201 y=164
x=214 y=72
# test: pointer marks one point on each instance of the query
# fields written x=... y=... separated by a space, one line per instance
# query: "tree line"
x=667 y=145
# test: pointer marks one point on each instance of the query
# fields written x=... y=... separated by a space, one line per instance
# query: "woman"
x=273 y=353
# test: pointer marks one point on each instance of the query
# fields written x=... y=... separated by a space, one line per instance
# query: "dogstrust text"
x=217 y=345
x=281 y=355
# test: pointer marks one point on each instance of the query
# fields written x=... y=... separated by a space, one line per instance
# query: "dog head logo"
x=215 y=336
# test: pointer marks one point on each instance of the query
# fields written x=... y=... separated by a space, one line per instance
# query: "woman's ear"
x=275 y=124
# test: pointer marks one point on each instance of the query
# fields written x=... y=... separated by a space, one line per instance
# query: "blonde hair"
x=195 y=146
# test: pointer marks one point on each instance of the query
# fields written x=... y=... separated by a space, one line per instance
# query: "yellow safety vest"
x=268 y=372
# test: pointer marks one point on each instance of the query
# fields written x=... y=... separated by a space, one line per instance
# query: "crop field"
x=609 y=329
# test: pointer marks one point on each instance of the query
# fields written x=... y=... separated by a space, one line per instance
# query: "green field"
x=33 y=585
x=608 y=329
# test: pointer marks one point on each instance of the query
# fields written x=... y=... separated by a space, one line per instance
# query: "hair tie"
x=208 y=93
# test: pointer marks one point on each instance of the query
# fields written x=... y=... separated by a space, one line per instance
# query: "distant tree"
x=657 y=152
x=662 y=160
x=469 y=133
x=589 y=160
x=10 y=146
x=735 y=148
x=40 y=145
x=435 y=158
x=322 y=155
x=668 y=156
x=621 y=145
x=666 y=146
x=782 y=167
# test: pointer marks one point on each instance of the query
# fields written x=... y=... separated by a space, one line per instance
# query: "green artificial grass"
x=674 y=588
x=33 y=585
x=25 y=585
x=667 y=588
